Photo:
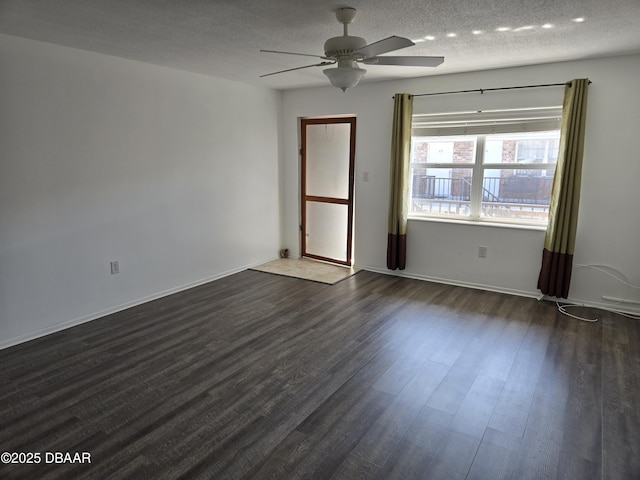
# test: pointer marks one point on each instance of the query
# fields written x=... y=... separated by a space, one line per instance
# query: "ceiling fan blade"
x=293 y=53
x=405 y=61
x=383 y=46
x=321 y=64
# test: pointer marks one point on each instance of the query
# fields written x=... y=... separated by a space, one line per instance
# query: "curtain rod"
x=482 y=90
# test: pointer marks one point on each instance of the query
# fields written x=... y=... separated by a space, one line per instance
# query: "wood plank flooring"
x=259 y=376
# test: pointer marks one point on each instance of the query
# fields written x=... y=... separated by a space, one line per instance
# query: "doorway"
x=328 y=163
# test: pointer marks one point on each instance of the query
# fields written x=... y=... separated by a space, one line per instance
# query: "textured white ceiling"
x=223 y=38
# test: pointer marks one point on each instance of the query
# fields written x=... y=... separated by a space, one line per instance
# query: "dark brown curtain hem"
x=555 y=274
x=396 y=251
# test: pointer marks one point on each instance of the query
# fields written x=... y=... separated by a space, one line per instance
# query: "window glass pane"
x=532 y=148
x=326 y=233
x=444 y=149
x=440 y=191
x=517 y=194
x=327 y=160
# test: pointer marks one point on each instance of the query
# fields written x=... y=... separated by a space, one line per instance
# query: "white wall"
x=608 y=227
x=175 y=175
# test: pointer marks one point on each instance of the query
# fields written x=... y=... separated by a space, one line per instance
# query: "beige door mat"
x=307 y=269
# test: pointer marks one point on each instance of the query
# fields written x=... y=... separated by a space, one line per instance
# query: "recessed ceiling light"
x=526 y=27
x=477 y=32
x=578 y=20
x=451 y=35
x=503 y=29
x=429 y=37
x=547 y=25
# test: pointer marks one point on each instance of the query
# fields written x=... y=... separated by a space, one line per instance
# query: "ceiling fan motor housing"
x=344 y=45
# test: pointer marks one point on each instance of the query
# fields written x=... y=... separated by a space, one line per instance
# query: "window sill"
x=480 y=223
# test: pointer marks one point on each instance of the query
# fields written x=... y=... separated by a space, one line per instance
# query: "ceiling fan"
x=348 y=50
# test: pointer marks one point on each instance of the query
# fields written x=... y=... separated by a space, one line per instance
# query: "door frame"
x=304 y=198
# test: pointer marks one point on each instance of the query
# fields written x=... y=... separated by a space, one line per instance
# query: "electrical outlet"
x=115 y=267
x=482 y=252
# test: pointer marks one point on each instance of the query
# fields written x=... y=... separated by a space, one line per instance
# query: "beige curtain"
x=557 y=255
x=399 y=181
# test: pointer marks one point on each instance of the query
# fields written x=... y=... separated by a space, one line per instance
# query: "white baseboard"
x=618 y=308
x=446 y=281
x=621 y=307
x=118 y=308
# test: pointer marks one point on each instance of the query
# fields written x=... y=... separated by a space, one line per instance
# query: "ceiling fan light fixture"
x=344 y=78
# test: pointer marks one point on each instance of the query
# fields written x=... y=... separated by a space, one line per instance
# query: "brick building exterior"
x=512 y=185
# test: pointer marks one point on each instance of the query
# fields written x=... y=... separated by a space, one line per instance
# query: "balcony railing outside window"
x=521 y=197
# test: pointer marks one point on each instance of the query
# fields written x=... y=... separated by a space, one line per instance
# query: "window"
x=497 y=171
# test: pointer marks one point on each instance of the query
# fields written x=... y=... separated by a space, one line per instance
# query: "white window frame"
x=480 y=125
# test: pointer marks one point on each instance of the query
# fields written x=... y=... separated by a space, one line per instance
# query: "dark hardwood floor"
x=262 y=376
